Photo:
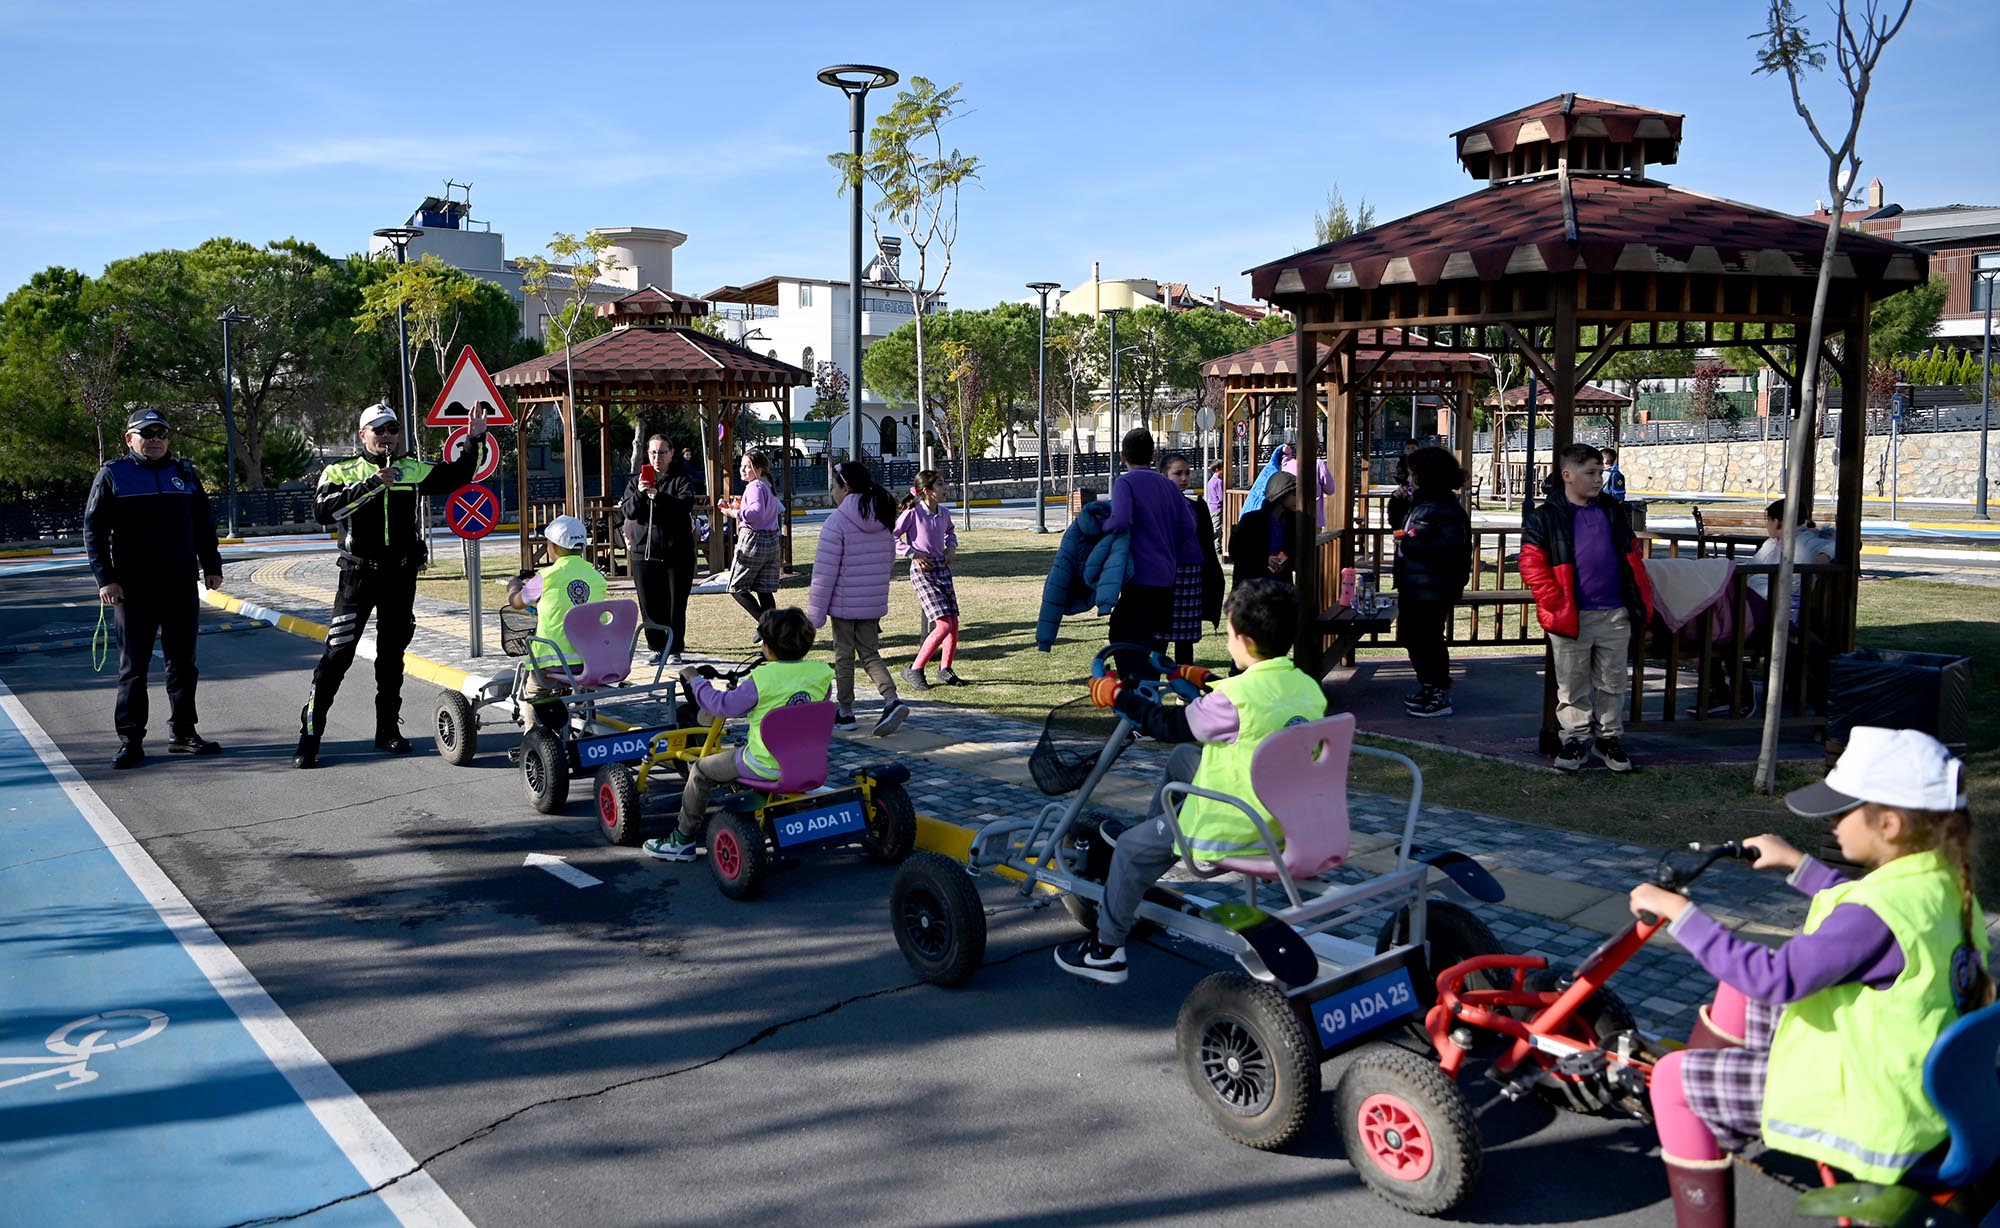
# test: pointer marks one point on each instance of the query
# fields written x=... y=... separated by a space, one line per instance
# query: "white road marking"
x=562 y=870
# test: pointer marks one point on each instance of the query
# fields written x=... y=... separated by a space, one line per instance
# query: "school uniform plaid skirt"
x=935 y=592
x=755 y=569
x=1184 y=624
x=1725 y=1087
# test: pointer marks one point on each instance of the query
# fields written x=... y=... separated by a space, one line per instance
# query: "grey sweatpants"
x=1593 y=675
x=1144 y=852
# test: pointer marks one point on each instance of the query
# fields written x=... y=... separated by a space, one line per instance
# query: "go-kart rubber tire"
x=939 y=921
x=892 y=827
x=1435 y=1136
x=737 y=855
x=1232 y=1017
x=1454 y=935
x=545 y=771
x=455 y=729
x=619 y=815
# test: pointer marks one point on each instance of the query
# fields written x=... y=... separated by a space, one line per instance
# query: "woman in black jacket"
x=1433 y=562
x=659 y=515
x=1265 y=542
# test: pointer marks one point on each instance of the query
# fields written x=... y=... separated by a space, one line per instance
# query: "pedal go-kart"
x=1319 y=973
x=565 y=733
x=758 y=823
x=1569 y=1040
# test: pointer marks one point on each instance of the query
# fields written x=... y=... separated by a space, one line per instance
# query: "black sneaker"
x=1416 y=697
x=1573 y=755
x=131 y=753
x=306 y=753
x=1434 y=703
x=392 y=740
x=193 y=744
x=893 y=714
x=1093 y=961
x=1613 y=754
x=843 y=720
x=913 y=678
x=949 y=677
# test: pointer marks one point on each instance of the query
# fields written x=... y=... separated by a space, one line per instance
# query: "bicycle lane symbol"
x=72 y=1053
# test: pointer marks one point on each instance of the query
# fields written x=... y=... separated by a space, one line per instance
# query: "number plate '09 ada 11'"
x=842 y=818
x=1363 y=1008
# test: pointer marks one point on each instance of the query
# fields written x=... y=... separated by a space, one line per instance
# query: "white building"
x=805 y=321
x=445 y=229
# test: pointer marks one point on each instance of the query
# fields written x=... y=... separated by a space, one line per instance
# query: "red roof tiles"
x=1274 y=358
x=646 y=354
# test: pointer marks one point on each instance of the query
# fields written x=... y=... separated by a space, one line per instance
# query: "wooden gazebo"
x=1568 y=255
x=653 y=356
x=1256 y=382
x=1591 y=402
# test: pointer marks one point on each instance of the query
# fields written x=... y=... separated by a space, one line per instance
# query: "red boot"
x=1707 y=1036
x=1704 y=1192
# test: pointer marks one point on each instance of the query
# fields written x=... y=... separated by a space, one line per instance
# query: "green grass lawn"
x=1000 y=574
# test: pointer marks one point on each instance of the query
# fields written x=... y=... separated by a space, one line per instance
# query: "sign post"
x=1895 y=452
x=472 y=512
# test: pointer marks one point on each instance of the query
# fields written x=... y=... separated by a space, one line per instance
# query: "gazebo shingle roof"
x=1274 y=358
x=655 y=355
x=1589 y=394
x=1621 y=225
x=1568 y=116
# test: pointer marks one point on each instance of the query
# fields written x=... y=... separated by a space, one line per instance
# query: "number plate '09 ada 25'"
x=1354 y=1012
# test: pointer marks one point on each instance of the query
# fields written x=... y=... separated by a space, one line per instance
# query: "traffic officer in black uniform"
x=148 y=535
x=373 y=497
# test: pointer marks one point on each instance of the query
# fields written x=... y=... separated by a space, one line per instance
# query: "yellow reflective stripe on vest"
x=781 y=684
x=566 y=583
x=1269 y=696
x=1845 y=1081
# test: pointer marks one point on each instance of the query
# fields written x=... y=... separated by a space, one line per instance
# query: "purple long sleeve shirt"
x=1148 y=504
x=760 y=507
x=1851 y=944
x=920 y=531
x=1212 y=491
x=734 y=702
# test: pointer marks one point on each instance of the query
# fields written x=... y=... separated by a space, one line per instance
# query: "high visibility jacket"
x=381 y=530
x=1845 y=1084
x=568 y=582
x=1268 y=696
x=781 y=684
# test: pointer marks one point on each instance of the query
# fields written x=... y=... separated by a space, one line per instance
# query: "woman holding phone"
x=659 y=513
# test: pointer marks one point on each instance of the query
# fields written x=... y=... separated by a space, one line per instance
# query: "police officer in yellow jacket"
x=1266 y=694
x=373 y=497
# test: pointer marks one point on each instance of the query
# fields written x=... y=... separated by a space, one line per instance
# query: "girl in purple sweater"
x=1818 y=1047
x=925 y=533
x=753 y=577
x=850 y=588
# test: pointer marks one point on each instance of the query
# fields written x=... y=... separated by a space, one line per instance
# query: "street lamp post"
x=1112 y=313
x=855 y=80
x=399 y=237
x=1992 y=279
x=228 y=317
x=1042 y=290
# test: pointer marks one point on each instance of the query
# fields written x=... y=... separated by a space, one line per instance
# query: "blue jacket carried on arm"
x=1090 y=569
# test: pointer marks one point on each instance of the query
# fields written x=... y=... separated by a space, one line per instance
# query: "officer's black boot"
x=131 y=753
x=307 y=752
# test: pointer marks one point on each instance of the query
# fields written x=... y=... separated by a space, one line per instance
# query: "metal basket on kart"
x=1073 y=737
x=516 y=628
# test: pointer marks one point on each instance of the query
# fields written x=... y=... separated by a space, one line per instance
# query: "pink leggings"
x=944 y=635
x=1684 y=1136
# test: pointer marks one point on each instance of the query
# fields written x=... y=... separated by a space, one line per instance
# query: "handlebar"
x=1676 y=871
x=1187 y=681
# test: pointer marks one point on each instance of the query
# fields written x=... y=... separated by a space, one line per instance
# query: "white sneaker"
x=673 y=849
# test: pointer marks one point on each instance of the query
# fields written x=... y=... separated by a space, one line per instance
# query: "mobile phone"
x=648 y=474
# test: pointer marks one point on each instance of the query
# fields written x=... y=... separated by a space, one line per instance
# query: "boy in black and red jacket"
x=1588 y=573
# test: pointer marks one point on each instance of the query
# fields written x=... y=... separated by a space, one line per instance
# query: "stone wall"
x=1941 y=467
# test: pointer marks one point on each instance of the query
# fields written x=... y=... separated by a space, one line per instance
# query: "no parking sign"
x=472 y=512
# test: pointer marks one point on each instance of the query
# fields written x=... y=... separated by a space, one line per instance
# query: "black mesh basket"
x=1072 y=738
x=515 y=628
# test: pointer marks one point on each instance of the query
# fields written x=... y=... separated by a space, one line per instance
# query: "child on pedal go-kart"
x=567 y=582
x=1267 y=693
x=784 y=678
x=1818 y=1047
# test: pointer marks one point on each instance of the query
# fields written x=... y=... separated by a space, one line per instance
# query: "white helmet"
x=567 y=532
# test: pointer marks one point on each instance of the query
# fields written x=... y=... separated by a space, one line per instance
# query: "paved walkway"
x=1565 y=891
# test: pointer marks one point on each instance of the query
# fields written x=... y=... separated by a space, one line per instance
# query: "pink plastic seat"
x=1300 y=774
x=798 y=736
x=602 y=632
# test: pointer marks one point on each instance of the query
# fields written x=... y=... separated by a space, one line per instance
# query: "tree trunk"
x=923 y=423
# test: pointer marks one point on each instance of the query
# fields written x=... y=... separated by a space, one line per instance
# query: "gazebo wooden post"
x=718 y=471
x=572 y=473
x=1361 y=463
x=1853 y=455
x=1310 y=642
x=604 y=451
x=1461 y=397
x=785 y=526
x=521 y=478
x=1564 y=292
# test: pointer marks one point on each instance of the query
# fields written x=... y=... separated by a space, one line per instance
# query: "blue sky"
x=1180 y=141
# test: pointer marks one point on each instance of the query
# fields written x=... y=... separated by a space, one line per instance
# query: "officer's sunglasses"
x=388 y=428
x=153 y=432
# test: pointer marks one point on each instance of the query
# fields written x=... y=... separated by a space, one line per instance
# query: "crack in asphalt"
x=759 y=1037
x=146 y=841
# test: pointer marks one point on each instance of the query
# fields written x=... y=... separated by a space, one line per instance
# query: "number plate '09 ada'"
x=1362 y=1009
x=840 y=819
x=617 y=747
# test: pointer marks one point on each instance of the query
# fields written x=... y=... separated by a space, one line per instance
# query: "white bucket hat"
x=1890 y=767
x=567 y=532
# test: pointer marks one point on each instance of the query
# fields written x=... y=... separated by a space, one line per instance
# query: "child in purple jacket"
x=925 y=534
x=850 y=587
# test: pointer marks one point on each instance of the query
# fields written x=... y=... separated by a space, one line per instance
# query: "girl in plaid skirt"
x=1818 y=1047
x=1197 y=586
x=753 y=576
x=924 y=532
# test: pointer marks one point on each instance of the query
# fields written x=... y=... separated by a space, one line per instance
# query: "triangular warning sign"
x=468 y=386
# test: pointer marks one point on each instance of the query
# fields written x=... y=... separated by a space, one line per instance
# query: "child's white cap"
x=1890 y=767
x=567 y=532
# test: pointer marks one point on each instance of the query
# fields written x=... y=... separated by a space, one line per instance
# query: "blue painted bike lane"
x=145 y=1077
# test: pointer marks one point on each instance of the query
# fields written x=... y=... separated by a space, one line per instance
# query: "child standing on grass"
x=925 y=533
x=753 y=577
x=850 y=585
x=1818 y=1047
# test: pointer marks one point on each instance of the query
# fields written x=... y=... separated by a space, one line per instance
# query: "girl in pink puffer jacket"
x=850 y=585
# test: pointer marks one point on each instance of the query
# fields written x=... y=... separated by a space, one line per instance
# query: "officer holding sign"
x=373 y=497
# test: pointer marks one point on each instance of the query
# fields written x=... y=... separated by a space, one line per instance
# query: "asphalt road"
x=647 y=1052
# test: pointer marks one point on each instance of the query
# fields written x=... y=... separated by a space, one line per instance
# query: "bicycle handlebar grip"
x=1649 y=918
x=1104 y=690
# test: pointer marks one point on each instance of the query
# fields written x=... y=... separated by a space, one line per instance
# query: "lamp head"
x=858 y=78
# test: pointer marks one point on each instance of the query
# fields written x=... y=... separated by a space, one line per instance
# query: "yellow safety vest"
x=1268 y=696
x=568 y=582
x=781 y=684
